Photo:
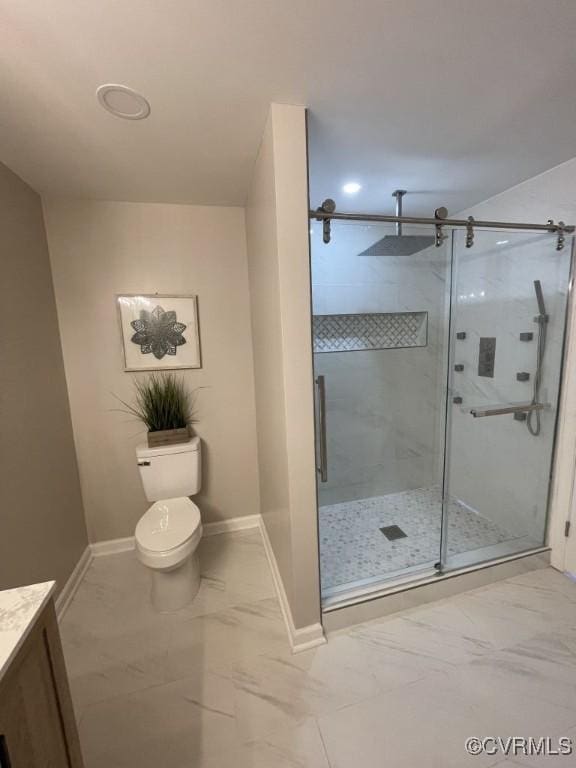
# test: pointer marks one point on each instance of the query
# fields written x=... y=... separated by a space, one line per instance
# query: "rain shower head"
x=399 y=244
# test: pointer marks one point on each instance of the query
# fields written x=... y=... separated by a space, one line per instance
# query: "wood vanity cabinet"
x=37 y=724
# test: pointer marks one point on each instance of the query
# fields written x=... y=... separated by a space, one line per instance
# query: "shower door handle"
x=323 y=456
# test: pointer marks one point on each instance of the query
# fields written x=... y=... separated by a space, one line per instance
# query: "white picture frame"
x=159 y=331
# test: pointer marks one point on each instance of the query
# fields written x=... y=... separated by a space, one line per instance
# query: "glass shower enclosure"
x=437 y=376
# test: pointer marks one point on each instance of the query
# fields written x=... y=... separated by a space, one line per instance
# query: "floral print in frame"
x=159 y=331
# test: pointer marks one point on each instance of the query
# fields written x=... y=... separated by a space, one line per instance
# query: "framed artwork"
x=159 y=331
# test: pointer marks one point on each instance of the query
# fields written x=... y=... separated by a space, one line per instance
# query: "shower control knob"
x=459 y=367
x=522 y=376
x=457 y=400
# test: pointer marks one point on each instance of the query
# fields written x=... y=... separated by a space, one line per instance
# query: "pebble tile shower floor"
x=353 y=548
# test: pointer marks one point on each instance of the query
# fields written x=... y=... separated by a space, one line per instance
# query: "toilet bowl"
x=168 y=534
x=167 y=538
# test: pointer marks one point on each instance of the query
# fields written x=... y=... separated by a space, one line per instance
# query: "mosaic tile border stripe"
x=374 y=330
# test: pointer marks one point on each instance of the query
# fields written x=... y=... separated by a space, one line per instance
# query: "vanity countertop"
x=19 y=609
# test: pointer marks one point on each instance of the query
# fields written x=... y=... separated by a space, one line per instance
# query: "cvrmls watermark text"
x=513 y=746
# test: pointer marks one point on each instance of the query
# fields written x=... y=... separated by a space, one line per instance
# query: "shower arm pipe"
x=320 y=215
x=398 y=195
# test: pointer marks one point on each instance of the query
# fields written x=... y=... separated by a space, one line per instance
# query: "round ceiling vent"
x=123 y=101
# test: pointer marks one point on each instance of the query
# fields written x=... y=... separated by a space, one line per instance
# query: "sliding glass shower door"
x=508 y=314
x=380 y=356
x=437 y=384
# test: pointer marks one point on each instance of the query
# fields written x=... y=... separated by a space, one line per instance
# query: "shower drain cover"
x=393 y=532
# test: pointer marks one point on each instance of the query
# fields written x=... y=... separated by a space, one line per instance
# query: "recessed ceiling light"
x=123 y=101
x=351 y=188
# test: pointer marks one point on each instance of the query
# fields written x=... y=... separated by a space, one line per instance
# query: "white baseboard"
x=112 y=546
x=232 y=524
x=300 y=639
x=74 y=580
x=308 y=637
x=305 y=637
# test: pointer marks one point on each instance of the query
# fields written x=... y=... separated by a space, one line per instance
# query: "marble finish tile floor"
x=216 y=686
x=352 y=547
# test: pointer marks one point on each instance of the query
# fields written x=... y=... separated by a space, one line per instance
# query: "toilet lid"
x=167 y=524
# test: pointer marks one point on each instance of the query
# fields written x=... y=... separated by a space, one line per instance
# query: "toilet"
x=168 y=533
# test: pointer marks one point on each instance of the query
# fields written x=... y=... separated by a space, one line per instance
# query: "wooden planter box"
x=168 y=437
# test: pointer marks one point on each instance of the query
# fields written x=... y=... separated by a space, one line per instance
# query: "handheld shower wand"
x=540 y=297
x=533 y=418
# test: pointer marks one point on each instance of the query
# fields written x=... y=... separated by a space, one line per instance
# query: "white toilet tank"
x=170 y=471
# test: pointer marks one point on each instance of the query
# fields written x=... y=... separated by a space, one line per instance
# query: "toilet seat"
x=168 y=532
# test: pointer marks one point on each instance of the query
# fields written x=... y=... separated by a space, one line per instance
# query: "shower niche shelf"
x=369 y=331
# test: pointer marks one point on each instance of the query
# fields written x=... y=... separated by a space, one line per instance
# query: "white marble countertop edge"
x=19 y=609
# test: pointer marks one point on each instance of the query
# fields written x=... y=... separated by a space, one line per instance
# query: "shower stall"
x=438 y=348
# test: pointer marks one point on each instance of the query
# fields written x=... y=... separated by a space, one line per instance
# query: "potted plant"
x=164 y=404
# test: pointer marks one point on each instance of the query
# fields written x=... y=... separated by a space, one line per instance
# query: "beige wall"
x=268 y=358
x=101 y=249
x=42 y=529
x=277 y=237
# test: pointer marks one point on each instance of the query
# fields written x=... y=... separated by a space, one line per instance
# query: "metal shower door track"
x=550 y=226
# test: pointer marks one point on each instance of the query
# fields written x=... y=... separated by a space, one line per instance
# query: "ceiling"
x=454 y=100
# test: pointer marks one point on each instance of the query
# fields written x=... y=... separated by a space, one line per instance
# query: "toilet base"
x=174 y=589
